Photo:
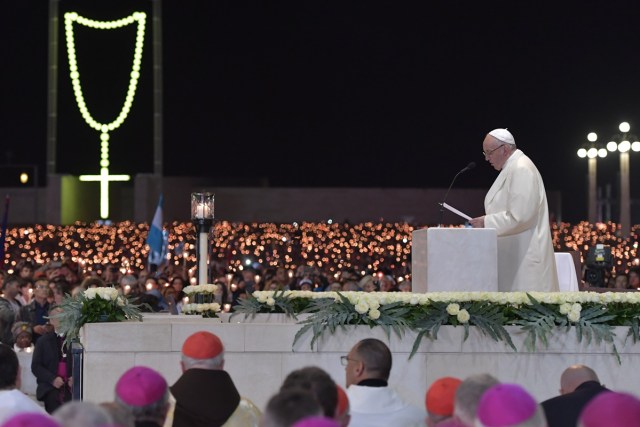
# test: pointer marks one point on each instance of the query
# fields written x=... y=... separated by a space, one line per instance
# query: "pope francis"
x=516 y=206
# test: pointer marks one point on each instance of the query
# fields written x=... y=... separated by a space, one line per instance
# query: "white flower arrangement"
x=201 y=300
x=200 y=289
x=593 y=314
x=94 y=305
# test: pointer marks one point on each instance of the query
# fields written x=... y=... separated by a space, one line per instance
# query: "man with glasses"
x=516 y=206
x=371 y=400
x=38 y=309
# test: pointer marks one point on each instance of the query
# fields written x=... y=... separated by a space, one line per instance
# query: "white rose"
x=453 y=309
x=565 y=308
x=374 y=314
x=90 y=293
x=262 y=297
x=271 y=302
x=463 y=316
x=576 y=307
x=573 y=316
x=215 y=307
x=362 y=307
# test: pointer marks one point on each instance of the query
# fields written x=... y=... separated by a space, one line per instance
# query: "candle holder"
x=202 y=205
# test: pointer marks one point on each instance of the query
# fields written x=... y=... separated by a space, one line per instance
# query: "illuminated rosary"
x=104 y=128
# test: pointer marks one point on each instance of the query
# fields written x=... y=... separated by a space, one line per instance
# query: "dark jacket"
x=564 y=410
x=44 y=364
x=204 y=398
x=8 y=318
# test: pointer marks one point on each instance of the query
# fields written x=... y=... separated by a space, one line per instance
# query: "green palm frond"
x=538 y=321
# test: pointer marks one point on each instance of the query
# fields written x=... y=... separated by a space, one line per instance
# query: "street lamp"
x=592 y=151
x=622 y=144
x=202 y=205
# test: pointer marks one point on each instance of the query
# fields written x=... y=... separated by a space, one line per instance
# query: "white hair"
x=82 y=414
x=213 y=363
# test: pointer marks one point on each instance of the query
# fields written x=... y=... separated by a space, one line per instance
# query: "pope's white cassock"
x=516 y=206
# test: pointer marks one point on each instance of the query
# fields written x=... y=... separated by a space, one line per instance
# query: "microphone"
x=470 y=166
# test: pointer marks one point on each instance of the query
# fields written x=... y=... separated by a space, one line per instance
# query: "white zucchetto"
x=503 y=135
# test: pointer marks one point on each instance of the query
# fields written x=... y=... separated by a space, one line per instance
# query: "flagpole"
x=3 y=233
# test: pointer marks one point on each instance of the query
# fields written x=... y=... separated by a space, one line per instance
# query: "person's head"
x=306 y=284
x=111 y=274
x=405 y=286
x=82 y=414
x=54 y=320
x=30 y=419
x=128 y=284
x=26 y=269
x=202 y=350
x=22 y=334
x=145 y=393
x=26 y=289
x=368 y=283
x=439 y=399
x=317 y=381
x=509 y=405
x=370 y=358
x=468 y=395
x=151 y=283
x=611 y=409
x=288 y=406
x=634 y=278
x=575 y=375
x=41 y=290
x=177 y=283
x=497 y=147
x=9 y=368
x=11 y=286
x=621 y=281
x=121 y=416
x=343 y=410
x=92 y=282
x=316 y=422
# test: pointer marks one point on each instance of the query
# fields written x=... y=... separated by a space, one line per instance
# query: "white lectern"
x=454 y=259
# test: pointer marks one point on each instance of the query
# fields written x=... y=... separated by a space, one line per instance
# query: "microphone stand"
x=447 y=194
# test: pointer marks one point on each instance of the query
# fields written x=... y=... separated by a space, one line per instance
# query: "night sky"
x=337 y=94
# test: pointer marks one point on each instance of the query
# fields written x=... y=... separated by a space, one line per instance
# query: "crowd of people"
x=44 y=264
x=205 y=395
x=92 y=249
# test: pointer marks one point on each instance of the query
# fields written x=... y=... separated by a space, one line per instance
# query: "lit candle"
x=203 y=211
x=227 y=308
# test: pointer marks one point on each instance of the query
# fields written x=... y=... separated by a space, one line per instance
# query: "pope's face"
x=495 y=152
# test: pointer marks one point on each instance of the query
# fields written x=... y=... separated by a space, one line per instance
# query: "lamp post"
x=622 y=144
x=592 y=152
x=202 y=205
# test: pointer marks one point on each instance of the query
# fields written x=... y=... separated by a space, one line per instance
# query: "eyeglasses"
x=490 y=152
x=344 y=360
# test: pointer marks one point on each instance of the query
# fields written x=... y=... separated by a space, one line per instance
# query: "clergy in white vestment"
x=516 y=207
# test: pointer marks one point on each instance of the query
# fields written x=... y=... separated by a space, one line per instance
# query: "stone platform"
x=259 y=355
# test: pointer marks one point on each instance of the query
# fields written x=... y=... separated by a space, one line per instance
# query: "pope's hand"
x=477 y=222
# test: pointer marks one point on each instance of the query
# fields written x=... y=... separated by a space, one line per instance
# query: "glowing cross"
x=104 y=177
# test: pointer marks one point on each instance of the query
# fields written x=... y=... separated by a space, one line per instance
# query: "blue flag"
x=157 y=238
